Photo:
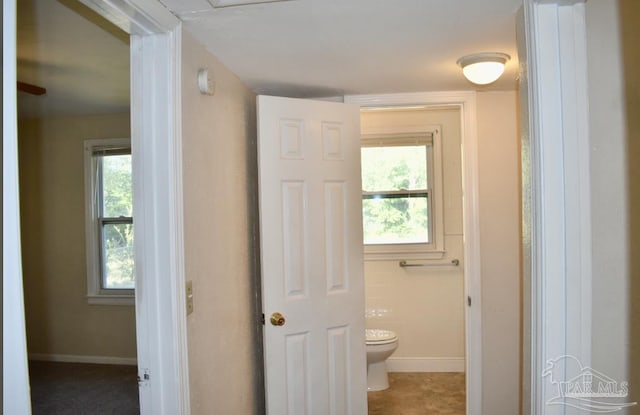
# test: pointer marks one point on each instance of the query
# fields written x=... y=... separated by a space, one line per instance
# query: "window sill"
x=118 y=300
x=378 y=254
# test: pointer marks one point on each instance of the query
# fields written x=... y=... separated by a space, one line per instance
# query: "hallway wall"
x=499 y=200
x=614 y=103
x=220 y=219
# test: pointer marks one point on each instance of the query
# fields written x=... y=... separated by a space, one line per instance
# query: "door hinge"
x=469 y=300
x=145 y=378
x=262 y=319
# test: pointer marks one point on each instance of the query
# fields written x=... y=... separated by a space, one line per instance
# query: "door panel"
x=312 y=264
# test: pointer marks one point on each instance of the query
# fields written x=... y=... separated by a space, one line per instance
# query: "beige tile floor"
x=420 y=394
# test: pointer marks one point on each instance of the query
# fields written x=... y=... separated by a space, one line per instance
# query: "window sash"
x=396 y=140
x=102 y=222
x=405 y=194
x=99 y=154
x=396 y=194
x=116 y=220
x=111 y=151
x=428 y=147
x=405 y=141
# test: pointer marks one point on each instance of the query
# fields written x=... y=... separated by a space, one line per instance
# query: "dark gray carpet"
x=83 y=389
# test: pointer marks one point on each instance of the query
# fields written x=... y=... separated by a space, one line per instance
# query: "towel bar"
x=453 y=263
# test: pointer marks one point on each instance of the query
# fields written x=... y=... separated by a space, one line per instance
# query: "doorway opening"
x=465 y=105
x=155 y=36
x=80 y=314
x=414 y=279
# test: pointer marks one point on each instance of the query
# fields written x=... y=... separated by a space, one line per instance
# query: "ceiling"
x=81 y=59
x=299 y=48
x=307 y=48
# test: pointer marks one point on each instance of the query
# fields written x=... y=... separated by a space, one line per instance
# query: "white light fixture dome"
x=483 y=68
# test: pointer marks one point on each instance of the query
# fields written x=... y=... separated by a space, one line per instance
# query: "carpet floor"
x=420 y=394
x=83 y=389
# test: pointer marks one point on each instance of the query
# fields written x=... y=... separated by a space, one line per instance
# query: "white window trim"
x=435 y=249
x=95 y=294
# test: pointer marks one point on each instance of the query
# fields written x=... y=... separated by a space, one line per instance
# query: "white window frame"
x=95 y=293
x=435 y=249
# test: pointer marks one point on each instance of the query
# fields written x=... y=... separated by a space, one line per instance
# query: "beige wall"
x=499 y=201
x=220 y=173
x=424 y=306
x=59 y=320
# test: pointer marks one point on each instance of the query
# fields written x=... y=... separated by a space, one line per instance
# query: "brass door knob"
x=277 y=319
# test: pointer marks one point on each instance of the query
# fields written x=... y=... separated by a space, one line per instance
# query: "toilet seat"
x=378 y=336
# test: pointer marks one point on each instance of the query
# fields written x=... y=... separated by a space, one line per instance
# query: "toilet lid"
x=380 y=336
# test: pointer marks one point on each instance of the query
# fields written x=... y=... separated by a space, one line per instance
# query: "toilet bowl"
x=380 y=345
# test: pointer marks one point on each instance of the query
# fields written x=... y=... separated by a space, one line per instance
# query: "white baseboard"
x=69 y=358
x=426 y=364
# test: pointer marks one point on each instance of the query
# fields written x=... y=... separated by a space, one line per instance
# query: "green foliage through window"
x=117 y=196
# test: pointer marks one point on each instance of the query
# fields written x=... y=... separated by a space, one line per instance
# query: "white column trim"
x=560 y=271
x=466 y=102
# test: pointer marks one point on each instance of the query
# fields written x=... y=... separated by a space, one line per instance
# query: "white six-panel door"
x=311 y=251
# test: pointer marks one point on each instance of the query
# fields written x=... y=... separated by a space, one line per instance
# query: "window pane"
x=116 y=186
x=398 y=220
x=118 y=256
x=394 y=168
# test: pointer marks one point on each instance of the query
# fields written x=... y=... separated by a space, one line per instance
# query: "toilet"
x=380 y=345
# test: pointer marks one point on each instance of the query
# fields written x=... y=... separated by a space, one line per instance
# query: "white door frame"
x=466 y=102
x=157 y=170
x=556 y=194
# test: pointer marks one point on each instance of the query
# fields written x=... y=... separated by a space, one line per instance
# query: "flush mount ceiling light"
x=483 y=68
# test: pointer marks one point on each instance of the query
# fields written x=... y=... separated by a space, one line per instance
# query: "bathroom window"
x=401 y=194
x=109 y=221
